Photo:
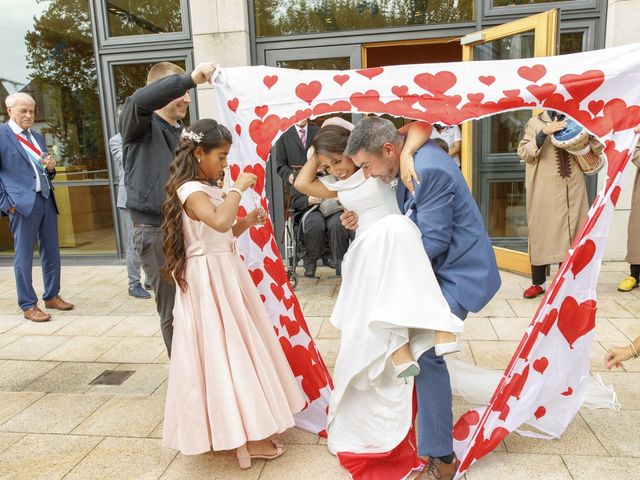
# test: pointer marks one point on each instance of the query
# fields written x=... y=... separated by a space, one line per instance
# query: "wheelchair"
x=293 y=247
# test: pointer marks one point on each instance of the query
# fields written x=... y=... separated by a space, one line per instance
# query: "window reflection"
x=48 y=53
x=287 y=17
x=134 y=17
x=513 y=3
x=132 y=76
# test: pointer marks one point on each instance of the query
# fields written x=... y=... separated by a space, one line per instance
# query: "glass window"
x=571 y=42
x=512 y=3
x=135 y=17
x=288 y=17
x=47 y=51
x=132 y=76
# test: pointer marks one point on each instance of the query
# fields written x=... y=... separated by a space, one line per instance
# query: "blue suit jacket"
x=17 y=179
x=453 y=232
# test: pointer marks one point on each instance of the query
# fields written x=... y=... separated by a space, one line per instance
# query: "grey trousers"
x=148 y=242
x=133 y=261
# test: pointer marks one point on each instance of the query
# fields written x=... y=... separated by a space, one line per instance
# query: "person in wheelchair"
x=321 y=231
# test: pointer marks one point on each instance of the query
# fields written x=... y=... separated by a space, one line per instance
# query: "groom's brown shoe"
x=436 y=469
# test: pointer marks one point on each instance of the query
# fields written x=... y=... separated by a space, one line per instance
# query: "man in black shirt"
x=150 y=124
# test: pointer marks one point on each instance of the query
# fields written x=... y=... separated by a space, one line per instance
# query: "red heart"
x=278 y=291
x=264 y=299
x=258 y=170
x=260 y=236
x=242 y=212
x=368 y=101
x=621 y=116
x=256 y=275
x=292 y=326
x=615 y=193
x=438 y=83
x=341 y=79
x=483 y=446
x=548 y=321
x=532 y=74
x=475 y=97
x=261 y=110
x=308 y=91
x=275 y=269
x=235 y=171
x=568 y=392
x=583 y=85
x=400 y=90
x=540 y=365
x=270 y=80
x=371 y=72
x=582 y=256
x=575 y=320
x=540 y=412
x=541 y=92
x=233 y=104
x=462 y=428
x=487 y=80
x=595 y=106
x=511 y=93
x=288 y=302
x=511 y=389
x=263 y=133
x=238 y=129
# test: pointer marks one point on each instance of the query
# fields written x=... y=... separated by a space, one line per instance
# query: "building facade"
x=79 y=69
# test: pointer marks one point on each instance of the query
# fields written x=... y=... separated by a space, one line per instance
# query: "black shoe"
x=339 y=270
x=329 y=263
x=310 y=270
x=147 y=286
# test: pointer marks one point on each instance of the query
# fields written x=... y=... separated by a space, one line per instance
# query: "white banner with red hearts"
x=547 y=377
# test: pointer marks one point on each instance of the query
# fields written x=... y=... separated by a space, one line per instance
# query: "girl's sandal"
x=245 y=457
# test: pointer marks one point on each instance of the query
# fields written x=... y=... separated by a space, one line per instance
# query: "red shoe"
x=533 y=291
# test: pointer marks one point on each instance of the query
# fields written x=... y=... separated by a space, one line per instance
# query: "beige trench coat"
x=633 y=229
x=556 y=206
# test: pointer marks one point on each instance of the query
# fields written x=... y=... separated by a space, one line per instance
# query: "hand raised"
x=245 y=180
x=203 y=73
x=407 y=171
x=257 y=217
x=349 y=220
x=554 y=127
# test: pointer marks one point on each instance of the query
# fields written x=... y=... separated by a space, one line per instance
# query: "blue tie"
x=45 y=189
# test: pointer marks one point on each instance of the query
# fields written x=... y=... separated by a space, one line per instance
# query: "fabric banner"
x=546 y=380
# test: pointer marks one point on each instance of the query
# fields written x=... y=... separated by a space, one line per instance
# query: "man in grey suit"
x=133 y=261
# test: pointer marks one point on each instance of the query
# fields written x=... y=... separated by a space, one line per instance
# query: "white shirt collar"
x=301 y=128
x=16 y=128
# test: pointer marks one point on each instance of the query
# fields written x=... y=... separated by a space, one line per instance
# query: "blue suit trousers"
x=41 y=226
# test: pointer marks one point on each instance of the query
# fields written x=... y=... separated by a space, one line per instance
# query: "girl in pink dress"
x=230 y=385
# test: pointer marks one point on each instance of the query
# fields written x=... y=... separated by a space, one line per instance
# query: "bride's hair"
x=330 y=139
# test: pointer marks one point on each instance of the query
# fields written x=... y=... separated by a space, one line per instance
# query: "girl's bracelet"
x=632 y=349
x=234 y=189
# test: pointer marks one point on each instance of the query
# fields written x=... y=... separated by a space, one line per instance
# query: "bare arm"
x=255 y=217
x=455 y=148
x=417 y=135
x=307 y=182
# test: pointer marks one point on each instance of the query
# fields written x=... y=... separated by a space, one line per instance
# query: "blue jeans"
x=133 y=261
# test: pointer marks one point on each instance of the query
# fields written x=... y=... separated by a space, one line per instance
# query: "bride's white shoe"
x=406 y=370
x=447 y=348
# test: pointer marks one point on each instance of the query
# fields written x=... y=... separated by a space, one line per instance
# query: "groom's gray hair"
x=370 y=134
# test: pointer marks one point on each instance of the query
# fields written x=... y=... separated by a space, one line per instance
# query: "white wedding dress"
x=389 y=296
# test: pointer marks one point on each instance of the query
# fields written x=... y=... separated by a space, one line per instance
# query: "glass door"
x=489 y=149
x=343 y=57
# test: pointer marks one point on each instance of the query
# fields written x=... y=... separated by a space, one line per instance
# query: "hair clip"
x=196 y=137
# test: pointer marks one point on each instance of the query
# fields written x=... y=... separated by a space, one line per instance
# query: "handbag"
x=329 y=206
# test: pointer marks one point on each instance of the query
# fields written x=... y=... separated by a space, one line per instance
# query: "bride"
x=389 y=310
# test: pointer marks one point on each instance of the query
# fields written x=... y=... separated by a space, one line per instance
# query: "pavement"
x=55 y=424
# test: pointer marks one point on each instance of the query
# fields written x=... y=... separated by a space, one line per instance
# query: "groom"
x=455 y=239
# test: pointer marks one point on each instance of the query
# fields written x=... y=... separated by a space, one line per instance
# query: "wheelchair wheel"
x=290 y=252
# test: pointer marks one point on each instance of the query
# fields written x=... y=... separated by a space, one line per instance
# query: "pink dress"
x=229 y=380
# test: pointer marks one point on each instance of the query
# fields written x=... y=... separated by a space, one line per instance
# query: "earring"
x=199 y=160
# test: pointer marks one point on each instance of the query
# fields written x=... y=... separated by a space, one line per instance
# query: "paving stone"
x=212 y=466
x=7 y=439
x=131 y=416
x=134 y=350
x=54 y=413
x=44 y=457
x=138 y=326
x=17 y=374
x=124 y=458
x=585 y=467
x=311 y=462
x=618 y=431
x=503 y=466
x=69 y=377
x=145 y=381
x=31 y=347
x=12 y=403
x=93 y=326
x=82 y=349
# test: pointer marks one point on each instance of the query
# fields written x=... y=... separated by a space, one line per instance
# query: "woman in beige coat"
x=633 y=229
x=557 y=202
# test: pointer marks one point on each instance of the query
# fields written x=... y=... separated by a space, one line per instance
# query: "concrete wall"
x=622 y=28
x=221 y=35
